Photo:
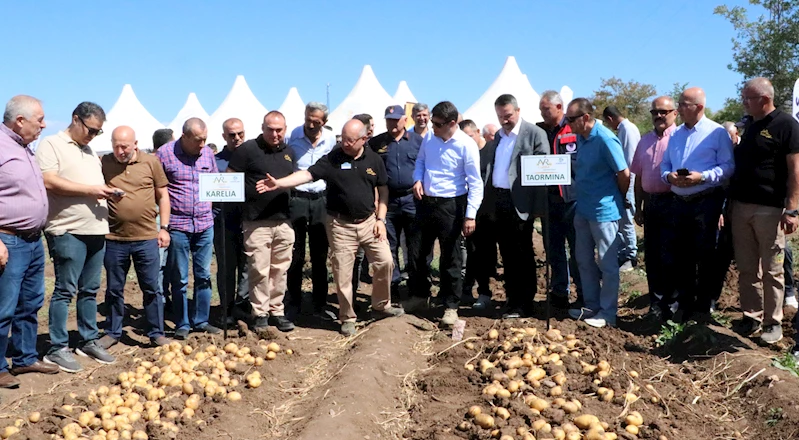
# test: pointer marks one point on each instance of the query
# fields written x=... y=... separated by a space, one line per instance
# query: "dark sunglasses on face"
x=439 y=124
x=660 y=112
x=236 y=134
x=92 y=131
x=574 y=118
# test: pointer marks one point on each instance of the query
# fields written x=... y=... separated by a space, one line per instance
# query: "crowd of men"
x=702 y=193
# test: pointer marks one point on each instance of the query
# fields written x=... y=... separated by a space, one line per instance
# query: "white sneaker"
x=450 y=317
x=791 y=301
x=596 y=322
x=713 y=305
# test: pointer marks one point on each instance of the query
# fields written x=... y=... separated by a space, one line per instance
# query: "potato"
x=66 y=408
x=595 y=434
x=514 y=386
x=474 y=411
x=559 y=378
x=270 y=355
x=502 y=392
x=273 y=347
x=630 y=397
x=556 y=391
x=538 y=404
x=633 y=374
x=469 y=367
x=634 y=418
x=230 y=348
x=558 y=433
x=502 y=413
x=469 y=346
x=8 y=431
x=484 y=421
x=255 y=382
x=573 y=435
x=632 y=429
x=34 y=417
x=507 y=437
x=539 y=424
x=585 y=421
x=528 y=436
x=493 y=334
x=464 y=426
x=139 y=435
x=187 y=413
x=289 y=351
x=569 y=408
x=536 y=374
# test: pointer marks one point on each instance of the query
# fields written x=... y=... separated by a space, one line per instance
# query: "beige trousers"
x=268 y=246
x=345 y=238
x=759 y=244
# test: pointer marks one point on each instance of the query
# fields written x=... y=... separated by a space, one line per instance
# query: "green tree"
x=766 y=46
x=733 y=110
x=632 y=98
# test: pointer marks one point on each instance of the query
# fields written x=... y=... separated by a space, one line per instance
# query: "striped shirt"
x=23 y=198
x=183 y=173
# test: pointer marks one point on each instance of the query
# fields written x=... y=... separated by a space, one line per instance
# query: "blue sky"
x=64 y=53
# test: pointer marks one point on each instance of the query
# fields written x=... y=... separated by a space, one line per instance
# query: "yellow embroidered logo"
x=370 y=172
x=383 y=149
x=765 y=133
x=287 y=157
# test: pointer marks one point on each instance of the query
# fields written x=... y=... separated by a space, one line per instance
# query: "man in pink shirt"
x=652 y=205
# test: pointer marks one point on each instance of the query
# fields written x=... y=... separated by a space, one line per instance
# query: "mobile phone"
x=683 y=172
x=119 y=193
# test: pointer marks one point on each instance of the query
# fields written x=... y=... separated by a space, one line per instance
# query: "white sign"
x=543 y=170
x=796 y=100
x=222 y=187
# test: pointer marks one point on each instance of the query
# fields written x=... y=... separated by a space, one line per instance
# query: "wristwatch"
x=703 y=178
x=792 y=212
x=165 y=227
x=381 y=220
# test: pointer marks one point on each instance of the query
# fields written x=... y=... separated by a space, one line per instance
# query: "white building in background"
x=293 y=108
x=191 y=109
x=510 y=80
x=240 y=103
x=127 y=111
x=368 y=96
x=403 y=94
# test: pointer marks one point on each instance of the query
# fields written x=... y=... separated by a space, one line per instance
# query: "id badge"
x=346 y=166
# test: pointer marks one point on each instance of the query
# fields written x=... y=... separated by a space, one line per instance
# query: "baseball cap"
x=395 y=112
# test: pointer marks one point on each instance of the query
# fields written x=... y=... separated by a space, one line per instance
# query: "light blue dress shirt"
x=706 y=148
x=451 y=169
x=307 y=155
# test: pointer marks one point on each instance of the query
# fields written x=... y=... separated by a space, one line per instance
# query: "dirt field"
x=404 y=378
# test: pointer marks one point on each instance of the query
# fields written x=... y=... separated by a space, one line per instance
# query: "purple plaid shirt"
x=183 y=172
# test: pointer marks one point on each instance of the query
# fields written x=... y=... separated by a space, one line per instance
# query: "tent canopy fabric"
x=566 y=94
x=191 y=109
x=510 y=80
x=368 y=96
x=127 y=111
x=293 y=109
x=404 y=94
x=240 y=103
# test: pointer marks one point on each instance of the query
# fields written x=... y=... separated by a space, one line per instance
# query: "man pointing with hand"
x=353 y=174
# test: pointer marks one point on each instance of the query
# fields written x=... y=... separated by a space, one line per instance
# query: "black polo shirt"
x=761 y=169
x=255 y=158
x=399 y=157
x=351 y=182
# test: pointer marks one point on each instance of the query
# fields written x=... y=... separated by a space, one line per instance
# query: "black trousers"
x=233 y=273
x=659 y=254
x=481 y=257
x=693 y=228
x=308 y=217
x=438 y=218
x=515 y=239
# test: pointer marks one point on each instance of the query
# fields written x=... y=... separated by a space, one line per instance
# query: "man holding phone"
x=697 y=161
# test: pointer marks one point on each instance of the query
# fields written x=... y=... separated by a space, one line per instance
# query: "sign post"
x=546 y=170
x=222 y=188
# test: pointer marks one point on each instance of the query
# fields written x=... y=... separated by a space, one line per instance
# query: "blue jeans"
x=146 y=262
x=600 y=281
x=560 y=227
x=21 y=297
x=399 y=218
x=628 y=247
x=199 y=246
x=78 y=264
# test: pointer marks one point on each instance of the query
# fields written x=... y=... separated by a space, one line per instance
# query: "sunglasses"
x=92 y=131
x=660 y=112
x=236 y=134
x=575 y=117
x=439 y=124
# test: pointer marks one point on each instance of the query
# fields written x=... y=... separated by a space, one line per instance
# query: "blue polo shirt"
x=399 y=157
x=600 y=158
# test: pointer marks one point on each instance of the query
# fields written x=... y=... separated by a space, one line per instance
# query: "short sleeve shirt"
x=600 y=158
x=351 y=182
x=255 y=159
x=132 y=218
x=761 y=168
x=79 y=215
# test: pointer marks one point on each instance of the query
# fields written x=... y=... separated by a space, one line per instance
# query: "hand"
x=116 y=194
x=418 y=190
x=468 y=227
x=268 y=184
x=102 y=191
x=693 y=178
x=163 y=238
x=789 y=223
x=721 y=222
x=380 y=231
x=3 y=255
x=639 y=216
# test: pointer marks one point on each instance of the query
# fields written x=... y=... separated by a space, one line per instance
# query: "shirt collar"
x=668 y=131
x=67 y=138
x=264 y=146
x=515 y=130
x=10 y=133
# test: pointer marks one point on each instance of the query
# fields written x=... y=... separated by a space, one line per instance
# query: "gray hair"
x=363 y=131
x=86 y=110
x=314 y=106
x=419 y=107
x=761 y=85
x=20 y=105
x=489 y=129
x=552 y=96
x=729 y=126
x=191 y=123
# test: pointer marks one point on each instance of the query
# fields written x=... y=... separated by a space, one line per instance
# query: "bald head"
x=124 y=144
x=274 y=128
x=694 y=95
x=664 y=113
x=758 y=97
x=353 y=137
x=761 y=86
x=489 y=131
x=691 y=106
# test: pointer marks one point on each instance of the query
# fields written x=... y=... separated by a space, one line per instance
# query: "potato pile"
x=178 y=372
x=526 y=376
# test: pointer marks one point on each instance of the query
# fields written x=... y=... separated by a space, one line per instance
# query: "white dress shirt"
x=499 y=175
x=451 y=169
x=307 y=155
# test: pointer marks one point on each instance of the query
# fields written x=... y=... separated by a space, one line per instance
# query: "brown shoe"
x=36 y=367
x=8 y=381
x=160 y=341
x=107 y=342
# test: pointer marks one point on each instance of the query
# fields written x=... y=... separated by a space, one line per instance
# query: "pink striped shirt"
x=23 y=198
x=646 y=162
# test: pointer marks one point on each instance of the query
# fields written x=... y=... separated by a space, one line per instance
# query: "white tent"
x=403 y=94
x=191 y=109
x=240 y=103
x=127 y=111
x=567 y=94
x=368 y=96
x=293 y=108
x=510 y=80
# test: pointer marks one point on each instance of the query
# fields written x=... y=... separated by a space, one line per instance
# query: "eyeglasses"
x=575 y=117
x=686 y=104
x=92 y=131
x=660 y=112
x=745 y=98
x=236 y=134
x=439 y=124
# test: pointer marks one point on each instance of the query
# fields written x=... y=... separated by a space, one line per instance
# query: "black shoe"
x=261 y=321
x=559 y=302
x=209 y=329
x=282 y=324
x=748 y=326
x=182 y=334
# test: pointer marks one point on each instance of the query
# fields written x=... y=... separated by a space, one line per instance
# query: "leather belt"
x=25 y=235
x=699 y=195
x=308 y=195
x=348 y=218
